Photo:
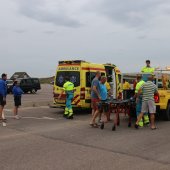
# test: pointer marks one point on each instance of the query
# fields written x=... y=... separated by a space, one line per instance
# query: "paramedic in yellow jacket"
x=68 y=88
x=126 y=85
x=140 y=82
x=148 y=68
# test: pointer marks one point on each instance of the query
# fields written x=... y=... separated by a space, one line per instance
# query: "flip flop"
x=136 y=126
x=94 y=125
x=153 y=128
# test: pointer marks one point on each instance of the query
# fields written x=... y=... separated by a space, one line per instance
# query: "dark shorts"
x=2 y=102
x=17 y=100
x=103 y=106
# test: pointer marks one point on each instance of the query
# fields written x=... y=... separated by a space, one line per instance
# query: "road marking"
x=28 y=108
x=49 y=118
x=38 y=118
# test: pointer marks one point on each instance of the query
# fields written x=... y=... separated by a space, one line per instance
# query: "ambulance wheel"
x=113 y=128
x=102 y=126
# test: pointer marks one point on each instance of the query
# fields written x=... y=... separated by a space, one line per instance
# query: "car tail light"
x=156 y=98
x=82 y=93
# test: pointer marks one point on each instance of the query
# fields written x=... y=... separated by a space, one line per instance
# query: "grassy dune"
x=46 y=80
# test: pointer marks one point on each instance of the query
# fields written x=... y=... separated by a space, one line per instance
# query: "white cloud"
x=60 y=12
x=35 y=34
x=132 y=13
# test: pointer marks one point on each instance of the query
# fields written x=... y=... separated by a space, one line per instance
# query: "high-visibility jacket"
x=107 y=86
x=138 y=85
x=148 y=69
x=68 y=86
x=126 y=86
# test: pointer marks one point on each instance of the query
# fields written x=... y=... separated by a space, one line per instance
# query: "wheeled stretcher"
x=118 y=107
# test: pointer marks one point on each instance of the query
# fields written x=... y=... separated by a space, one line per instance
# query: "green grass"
x=46 y=80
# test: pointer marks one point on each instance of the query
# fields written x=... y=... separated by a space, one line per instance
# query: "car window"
x=36 y=81
x=26 y=82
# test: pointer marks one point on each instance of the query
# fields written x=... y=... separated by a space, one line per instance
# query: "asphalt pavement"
x=44 y=140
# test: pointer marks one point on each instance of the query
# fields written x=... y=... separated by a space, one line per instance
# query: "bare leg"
x=3 y=115
x=92 y=113
x=105 y=117
x=139 y=118
x=152 y=117
x=1 y=110
x=95 y=116
x=100 y=115
x=15 y=110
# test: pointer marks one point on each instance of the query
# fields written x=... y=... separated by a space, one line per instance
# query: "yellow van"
x=81 y=73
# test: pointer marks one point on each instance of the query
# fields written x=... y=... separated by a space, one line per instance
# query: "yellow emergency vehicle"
x=162 y=81
x=163 y=101
x=81 y=73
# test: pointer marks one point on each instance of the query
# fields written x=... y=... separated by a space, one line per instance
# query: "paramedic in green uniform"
x=139 y=102
x=68 y=88
x=148 y=68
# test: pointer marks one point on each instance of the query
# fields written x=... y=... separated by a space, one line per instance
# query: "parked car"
x=9 y=85
x=29 y=84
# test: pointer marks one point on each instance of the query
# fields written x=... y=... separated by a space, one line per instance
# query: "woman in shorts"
x=17 y=92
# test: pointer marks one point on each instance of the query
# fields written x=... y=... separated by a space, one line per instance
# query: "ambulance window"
x=74 y=77
x=89 y=77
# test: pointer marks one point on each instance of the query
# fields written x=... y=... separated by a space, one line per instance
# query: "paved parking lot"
x=43 y=97
x=44 y=140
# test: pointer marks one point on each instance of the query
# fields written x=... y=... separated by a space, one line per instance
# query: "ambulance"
x=81 y=73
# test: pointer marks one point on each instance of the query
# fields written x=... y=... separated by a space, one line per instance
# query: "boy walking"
x=17 y=92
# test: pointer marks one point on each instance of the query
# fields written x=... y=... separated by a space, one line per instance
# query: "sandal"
x=94 y=125
x=153 y=128
x=4 y=120
x=136 y=126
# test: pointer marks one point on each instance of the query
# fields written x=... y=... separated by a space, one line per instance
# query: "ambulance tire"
x=167 y=113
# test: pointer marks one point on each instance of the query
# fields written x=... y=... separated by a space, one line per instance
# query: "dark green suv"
x=29 y=84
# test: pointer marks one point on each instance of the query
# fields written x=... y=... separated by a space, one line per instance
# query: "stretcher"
x=118 y=107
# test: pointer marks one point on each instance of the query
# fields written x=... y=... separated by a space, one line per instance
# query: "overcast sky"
x=36 y=34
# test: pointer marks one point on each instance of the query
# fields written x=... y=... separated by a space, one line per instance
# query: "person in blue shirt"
x=3 y=93
x=103 y=89
x=95 y=98
x=103 y=105
x=17 y=92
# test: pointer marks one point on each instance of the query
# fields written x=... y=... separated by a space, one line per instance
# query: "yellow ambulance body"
x=81 y=73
